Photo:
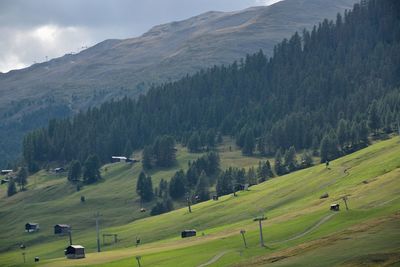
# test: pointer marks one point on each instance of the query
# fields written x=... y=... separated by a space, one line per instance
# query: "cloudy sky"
x=36 y=30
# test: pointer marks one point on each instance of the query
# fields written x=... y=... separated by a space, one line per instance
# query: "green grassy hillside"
x=50 y=199
x=300 y=229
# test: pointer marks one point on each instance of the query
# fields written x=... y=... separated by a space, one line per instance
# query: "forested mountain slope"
x=114 y=68
x=328 y=89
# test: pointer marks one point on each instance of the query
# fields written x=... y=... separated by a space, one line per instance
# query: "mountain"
x=324 y=90
x=114 y=68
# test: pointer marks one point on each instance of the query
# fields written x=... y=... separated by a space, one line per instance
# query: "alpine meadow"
x=289 y=157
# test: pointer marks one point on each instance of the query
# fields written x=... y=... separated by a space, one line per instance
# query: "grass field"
x=300 y=229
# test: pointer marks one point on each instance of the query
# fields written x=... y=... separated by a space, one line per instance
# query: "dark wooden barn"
x=75 y=252
x=188 y=233
x=335 y=207
x=61 y=229
x=31 y=227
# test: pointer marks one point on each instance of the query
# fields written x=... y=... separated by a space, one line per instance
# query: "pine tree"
x=249 y=143
x=279 y=166
x=144 y=187
x=11 y=190
x=147 y=158
x=290 y=159
x=306 y=160
x=22 y=177
x=374 y=121
x=194 y=143
x=91 y=169
x=128 y=149
x=202 y=188
x=177 y=185
x=324 y=149
x=192 y=176
x=264 y=171
x=74 y=171
x=251 y=176
x=210 y=138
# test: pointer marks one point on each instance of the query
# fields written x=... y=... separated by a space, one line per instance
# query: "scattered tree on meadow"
x=22 y=178
x=91 y=169
x=11 y=189
x=144 y=187
x=74 y=171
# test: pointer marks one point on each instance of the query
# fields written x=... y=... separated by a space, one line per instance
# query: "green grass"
x=290 y=202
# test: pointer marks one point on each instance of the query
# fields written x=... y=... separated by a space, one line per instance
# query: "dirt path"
x=214 y=259
x=309 y=230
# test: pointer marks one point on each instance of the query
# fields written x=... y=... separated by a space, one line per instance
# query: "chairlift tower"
x=259 y=220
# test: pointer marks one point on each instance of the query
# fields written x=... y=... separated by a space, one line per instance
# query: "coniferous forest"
x=326 y=89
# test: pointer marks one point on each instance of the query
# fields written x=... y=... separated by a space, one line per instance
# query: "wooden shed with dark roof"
x=75 y=252
x=60 y=229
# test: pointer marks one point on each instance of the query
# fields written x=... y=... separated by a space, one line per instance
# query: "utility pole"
x=189 y=202
x=23 y=252
x=260 y=219
x=98 y=231
x=242 y=232
x=70 y=236
x=345 y=202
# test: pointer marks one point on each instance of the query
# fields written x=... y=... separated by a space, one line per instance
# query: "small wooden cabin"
x=75 y=252
x=335 y=207
x=188 y=233
x=118 y=159
x=61 y=229
x=31 y=227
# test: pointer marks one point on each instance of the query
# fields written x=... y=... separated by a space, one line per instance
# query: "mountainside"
x=127 y=67
x=325 y=90
x=300 y=229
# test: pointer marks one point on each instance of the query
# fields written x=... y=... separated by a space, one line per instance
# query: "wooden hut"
x=118 y=159
x=75 y=252
x=335 y=207
x=61 y=229
x=188 y=233
x=31 y=227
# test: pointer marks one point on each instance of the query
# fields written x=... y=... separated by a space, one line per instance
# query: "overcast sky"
x=33 y=30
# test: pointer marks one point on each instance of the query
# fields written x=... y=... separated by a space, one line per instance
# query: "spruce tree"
x=91 y=169
x=251 y=176
x=194 y=143
x=147 y=158
x=177 y=185
x=290 y=159
x=22 y=177
x=74 y=171
x=279 y=166
x=374 y=121
x=11 y=189
x=202 y=188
